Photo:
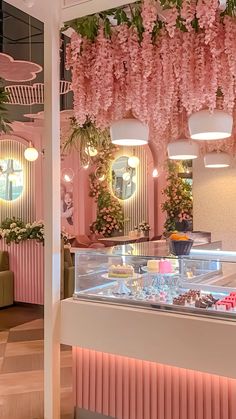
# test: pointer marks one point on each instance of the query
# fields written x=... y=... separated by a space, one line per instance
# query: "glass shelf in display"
x=189 y=285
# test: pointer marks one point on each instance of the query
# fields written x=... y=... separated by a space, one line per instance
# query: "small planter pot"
x=144 y=233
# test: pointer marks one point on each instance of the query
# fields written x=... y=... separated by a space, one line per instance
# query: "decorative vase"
x=144 y=233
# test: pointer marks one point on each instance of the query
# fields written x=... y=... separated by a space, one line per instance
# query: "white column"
x=52 y=213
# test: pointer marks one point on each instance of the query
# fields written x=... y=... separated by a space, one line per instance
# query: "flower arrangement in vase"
x=144 y=228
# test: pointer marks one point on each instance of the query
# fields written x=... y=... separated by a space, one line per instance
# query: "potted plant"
x=144 y=228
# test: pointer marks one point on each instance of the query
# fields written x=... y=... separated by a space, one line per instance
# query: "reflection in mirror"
x=11 y=179
x=123 y=178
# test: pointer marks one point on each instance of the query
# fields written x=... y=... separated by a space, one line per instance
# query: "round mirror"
x=11 y=179
x=123 y=178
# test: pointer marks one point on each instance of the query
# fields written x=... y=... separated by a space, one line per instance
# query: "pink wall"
x=84 y=206
x=27 y=263
x=126 y=388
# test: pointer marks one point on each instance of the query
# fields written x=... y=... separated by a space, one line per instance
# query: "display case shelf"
x=187 y=284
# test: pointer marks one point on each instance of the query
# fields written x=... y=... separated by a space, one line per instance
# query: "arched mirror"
x=123 y=178
x=11 y=179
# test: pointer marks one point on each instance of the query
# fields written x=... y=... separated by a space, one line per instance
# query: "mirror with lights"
x=124 y=178
x=11 y=179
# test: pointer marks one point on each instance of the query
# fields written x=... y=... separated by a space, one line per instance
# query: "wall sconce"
x=155 y=173
x=30 y=153
x=67 y=175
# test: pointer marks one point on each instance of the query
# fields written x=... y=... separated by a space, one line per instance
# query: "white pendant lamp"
x=133 y=162
x=30 y=153
x=129 y=132
x=216 y=160
x=182 y=150
x=206 y=125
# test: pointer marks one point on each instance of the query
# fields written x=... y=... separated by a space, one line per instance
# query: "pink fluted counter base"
x=27 y=263
x=126 y=388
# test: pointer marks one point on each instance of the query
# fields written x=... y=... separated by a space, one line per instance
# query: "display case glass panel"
x=190 y=285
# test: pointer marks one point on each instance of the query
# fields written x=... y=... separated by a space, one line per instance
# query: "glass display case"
x=199 y=284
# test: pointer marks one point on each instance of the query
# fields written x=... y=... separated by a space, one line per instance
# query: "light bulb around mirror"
x=91 y=151
x=101 y=178
x=31 y=154
x=155 y=173
x=133 y=162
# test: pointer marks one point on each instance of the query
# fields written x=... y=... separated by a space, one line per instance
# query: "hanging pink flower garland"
x=156 y=78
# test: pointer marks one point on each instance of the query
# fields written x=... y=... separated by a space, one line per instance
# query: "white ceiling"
x=70 y=9
x=75 y=8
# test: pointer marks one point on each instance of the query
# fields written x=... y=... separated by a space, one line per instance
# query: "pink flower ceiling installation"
x=158 y=78
x=16 y=70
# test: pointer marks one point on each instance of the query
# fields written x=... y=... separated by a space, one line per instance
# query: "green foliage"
x=88 y=26
x=14 y=230
x=178 y=203
x=82 y=137
x=6 y=224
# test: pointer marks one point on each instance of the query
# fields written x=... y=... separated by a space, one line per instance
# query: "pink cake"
x=165 y=267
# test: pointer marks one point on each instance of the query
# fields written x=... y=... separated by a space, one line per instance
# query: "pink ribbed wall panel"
x=27 y=263
x=125 y=388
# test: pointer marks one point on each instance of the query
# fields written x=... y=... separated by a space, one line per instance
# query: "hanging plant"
x=84 y=137
x=5 y=126
x=178 y=204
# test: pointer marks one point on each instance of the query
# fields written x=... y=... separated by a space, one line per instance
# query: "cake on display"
x=120 y=271
x=165 y=267
x=153 y=266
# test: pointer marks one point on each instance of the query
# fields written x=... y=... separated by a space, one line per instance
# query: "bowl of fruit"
x=180 y=244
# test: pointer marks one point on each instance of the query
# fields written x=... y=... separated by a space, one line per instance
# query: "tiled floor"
x=21 y=369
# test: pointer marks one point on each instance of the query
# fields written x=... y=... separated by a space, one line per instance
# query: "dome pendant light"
x=182 y=150
x=30 y=153
x=206 y=125
x=216 y=160
x=129 y=132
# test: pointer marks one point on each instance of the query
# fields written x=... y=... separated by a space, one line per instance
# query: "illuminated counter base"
x=179 y=356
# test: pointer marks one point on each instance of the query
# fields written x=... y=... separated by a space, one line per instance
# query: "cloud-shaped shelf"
x=16 y=70
x=24 y=94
